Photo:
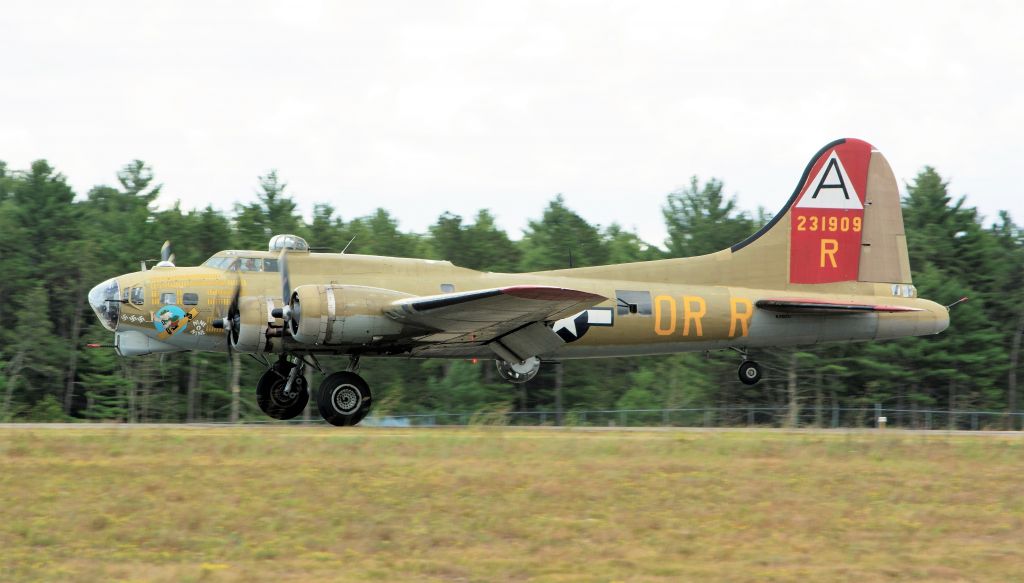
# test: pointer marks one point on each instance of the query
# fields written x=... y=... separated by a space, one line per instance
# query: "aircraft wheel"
x=270 y=393
x=750 y=372
x=344 y=398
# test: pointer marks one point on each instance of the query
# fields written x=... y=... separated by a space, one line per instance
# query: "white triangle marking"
x=831 y=188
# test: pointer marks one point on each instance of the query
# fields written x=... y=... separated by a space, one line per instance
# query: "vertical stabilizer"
x=844 y=221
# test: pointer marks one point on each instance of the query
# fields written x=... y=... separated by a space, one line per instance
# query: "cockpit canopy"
x=255 y=260
x=226 y=262
x=290 y=242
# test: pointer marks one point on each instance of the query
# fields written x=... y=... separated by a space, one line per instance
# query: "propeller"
x=165 y=252
x=284 y=312
x=286 y=282
x=232 y=322
x=166 y=255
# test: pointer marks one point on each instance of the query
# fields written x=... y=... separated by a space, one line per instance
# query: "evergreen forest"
x=57 y=244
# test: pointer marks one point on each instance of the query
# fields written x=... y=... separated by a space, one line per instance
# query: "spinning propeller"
x=287 y=310
x=231 y=323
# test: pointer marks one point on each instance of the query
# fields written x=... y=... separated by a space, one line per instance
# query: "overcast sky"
x=424 y=107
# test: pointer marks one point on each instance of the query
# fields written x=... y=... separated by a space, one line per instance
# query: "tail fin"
x=840 y=231
x=843 y=221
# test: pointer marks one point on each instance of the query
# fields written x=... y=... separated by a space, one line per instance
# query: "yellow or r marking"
x=829 y=247
x=658 y=302
x=693 y=314
x=738 y=317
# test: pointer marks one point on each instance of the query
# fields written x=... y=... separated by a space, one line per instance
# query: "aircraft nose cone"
x=105 y=300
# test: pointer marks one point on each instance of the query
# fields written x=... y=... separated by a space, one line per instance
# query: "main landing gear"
x=281 y=392
x=343 y=398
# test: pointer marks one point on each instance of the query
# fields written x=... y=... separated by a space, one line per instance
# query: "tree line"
x=54 y=246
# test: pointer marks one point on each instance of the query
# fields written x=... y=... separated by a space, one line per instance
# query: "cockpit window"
x=246 y=264
x=250 y=264
x=218 y=262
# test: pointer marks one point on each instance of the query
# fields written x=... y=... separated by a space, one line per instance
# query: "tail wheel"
x=750 y=372
x=272 y=399
x=344 y=398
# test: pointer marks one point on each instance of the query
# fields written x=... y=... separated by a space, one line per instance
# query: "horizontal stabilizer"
x=810 y=306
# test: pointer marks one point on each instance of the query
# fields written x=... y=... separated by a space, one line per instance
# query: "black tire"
x=270 y=393
x=749 y=372
x=344 y=398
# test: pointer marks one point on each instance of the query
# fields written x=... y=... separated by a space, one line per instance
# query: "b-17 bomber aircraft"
x=832 y=265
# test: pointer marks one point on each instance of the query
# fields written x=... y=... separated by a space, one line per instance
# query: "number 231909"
x=829 y=224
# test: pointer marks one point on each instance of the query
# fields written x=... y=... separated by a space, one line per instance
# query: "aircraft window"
x=168 y=298
x=447 y=288
x=136 y=296
x=270 y=265
x=633 y=302
x=218 y=262
x=190 y=299
x=251 y=264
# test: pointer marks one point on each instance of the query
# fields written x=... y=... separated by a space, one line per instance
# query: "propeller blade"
x=286 y=284
x=233 y=321
x=165 y=251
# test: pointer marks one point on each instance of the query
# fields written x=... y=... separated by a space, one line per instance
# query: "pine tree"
x=700 y=220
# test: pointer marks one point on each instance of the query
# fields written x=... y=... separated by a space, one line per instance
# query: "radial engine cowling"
x=250 y=325
x=342 y=314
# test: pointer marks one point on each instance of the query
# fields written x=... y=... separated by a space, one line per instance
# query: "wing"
x=809 y=306
x=508 y=320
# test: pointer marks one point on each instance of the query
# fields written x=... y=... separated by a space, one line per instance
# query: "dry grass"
x=297 y=504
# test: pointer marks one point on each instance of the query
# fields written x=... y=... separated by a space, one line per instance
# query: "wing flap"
x=815 y=306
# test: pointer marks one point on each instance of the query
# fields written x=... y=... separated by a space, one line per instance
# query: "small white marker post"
x=882 y=421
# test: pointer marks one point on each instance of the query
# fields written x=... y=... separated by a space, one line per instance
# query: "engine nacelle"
x=249 y=329
x=342 y=314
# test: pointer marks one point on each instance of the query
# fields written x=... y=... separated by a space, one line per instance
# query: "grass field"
x=487 y=504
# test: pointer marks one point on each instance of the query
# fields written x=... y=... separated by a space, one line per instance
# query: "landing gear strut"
x=281 y=392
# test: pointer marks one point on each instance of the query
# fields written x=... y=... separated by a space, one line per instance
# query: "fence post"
x=664 y=417
x=878 y=413
x=974 y=421
x=928 y=420
x=622 y=418
x=750 y=416
x=835 y=415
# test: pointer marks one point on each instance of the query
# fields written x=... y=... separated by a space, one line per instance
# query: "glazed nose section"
x=105 y=300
